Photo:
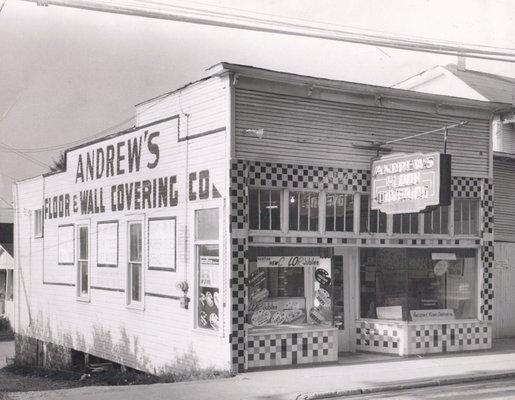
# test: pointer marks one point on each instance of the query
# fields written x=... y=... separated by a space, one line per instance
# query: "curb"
x=405 y=386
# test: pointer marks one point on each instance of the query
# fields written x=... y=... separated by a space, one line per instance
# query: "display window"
x=290 y=290
x=418 y=285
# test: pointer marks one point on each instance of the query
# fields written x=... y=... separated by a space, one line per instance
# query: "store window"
x=207 y=246
x=405 y=223
x=370 y=221
x=38 y=223
x=303 y=211
x=436 y=221
x=83 y=261
x=289 y=290
x=339 y=212
x=265 y=209
x=421 y=285
x=466 y=215
x=135 y=265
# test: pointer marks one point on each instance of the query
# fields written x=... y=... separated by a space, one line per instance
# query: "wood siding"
x=504 y=200
x=162 y=335
x=304 y=130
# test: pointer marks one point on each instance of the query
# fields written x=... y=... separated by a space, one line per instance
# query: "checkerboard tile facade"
x=270 y=350
x=369 y=337
x=378 y=337
x=438 y=338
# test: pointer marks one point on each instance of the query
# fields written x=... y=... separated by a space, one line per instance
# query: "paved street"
x=367 y=371
x=492 y=390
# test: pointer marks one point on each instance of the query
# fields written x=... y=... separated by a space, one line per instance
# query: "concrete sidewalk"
x=354 y=374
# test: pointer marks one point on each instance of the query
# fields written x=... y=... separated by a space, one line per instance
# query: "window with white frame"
x=405 y=223
x=371 y=221
x=466 y=215
x=207 y=250
x=265 y=209
x=83 y=261
x=135 y=264
x=38 y=223
x=436 y=221
x=303 y=211
x=339 y=212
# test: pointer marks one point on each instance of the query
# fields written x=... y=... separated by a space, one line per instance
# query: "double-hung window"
x=83 y=261
x=135 y=264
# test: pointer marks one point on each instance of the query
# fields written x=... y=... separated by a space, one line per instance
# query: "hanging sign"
x=407 y=183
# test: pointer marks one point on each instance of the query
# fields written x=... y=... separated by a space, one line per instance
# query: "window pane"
x=9 y=291
x=465 y=214
x=83 y=240
x=397 y=222
x=254 y=209
x=206 y=226
x=444 y=219
x=83 y=276
x=363 y=217
x=208 y=287
x=340 y=212
x=136 y=241
x=313 y=211
x=349 y=213
x=135 y=281
x=293 y=213
x=473 y=217
x=414 y=223
x=382 y=222
x=329 y=212
x=275 y=209
x=458 y=217
x=304 y=211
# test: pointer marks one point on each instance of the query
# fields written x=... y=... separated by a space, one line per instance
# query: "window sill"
x=208 y=332
x=435 y=322
x=280 y=329
x=84 y=299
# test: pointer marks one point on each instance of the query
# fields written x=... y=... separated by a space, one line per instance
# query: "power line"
x=227 y=20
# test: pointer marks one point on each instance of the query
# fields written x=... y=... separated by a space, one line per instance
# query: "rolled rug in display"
x=257 y=278
x=294 y=316
x=323 y=298
x=260 y=317
x=278 y=318
x=317 y=316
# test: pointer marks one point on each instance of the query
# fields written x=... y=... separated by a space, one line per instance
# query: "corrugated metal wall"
x=318 y=132
x=504 y=196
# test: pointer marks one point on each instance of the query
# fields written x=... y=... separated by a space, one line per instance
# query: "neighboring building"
x=6 y=271
x=250 y=191
x=456 y=80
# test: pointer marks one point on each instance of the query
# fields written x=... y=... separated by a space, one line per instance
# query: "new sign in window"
x=287 y=291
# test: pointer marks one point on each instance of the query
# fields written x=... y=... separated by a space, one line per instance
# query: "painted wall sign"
x=110 y=172
x=390 y=312
x=287 y=261
x=406 y=183
x=431 y=315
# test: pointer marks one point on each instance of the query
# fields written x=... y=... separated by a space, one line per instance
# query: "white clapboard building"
x=232 y=228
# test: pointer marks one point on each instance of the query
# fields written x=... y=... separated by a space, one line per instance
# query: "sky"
x=67 y=74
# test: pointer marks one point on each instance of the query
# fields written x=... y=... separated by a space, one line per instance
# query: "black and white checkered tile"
x=268 y=350
x=308 y=177
x=438 y=338
x=378 y=337
x=369 y=337
x=466 y=187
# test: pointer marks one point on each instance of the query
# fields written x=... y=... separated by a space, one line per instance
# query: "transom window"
x=265 y=209
x=466 y=215
x=339 y=212
x=371 y=221
x=436 y=221
x=405 y=223
x=303 y=211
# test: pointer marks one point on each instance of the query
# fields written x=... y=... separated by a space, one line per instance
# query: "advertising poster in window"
x=66 y=244
x=161 y=243
x=208 y=309
x=321 y=312
x=107 y=244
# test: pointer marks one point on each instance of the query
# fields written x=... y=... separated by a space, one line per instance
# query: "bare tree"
x=59 y=164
